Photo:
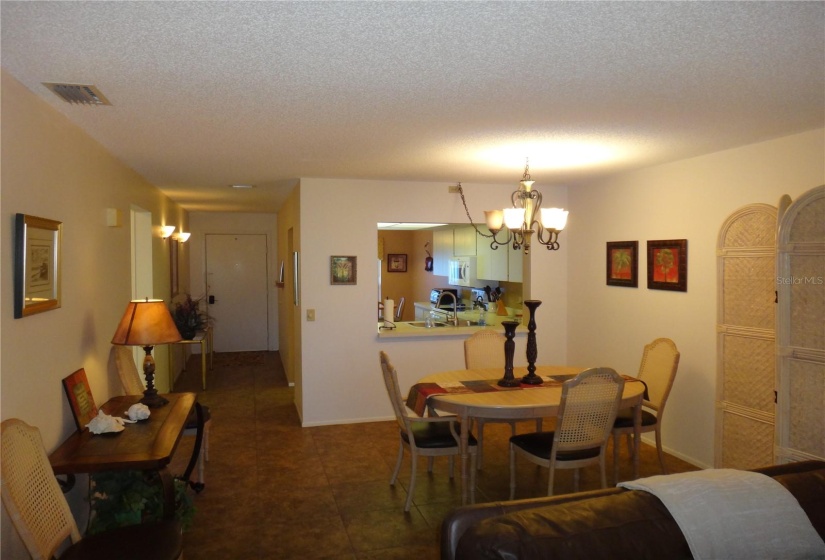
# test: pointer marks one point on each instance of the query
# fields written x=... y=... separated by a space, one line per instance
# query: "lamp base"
x=153 y=400
x=150 y=395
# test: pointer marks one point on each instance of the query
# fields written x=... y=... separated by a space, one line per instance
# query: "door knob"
x=211 y=300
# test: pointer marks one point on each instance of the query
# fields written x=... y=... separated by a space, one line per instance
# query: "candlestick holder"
x=509 y=380
x=532 y=350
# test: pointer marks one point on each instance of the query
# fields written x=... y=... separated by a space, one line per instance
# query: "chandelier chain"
x=467 y=211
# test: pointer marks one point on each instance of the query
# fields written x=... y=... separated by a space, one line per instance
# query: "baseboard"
x=348 y=421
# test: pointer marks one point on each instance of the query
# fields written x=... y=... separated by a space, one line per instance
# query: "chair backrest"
x=484 y=349
x=127 y=370
x=588 y=408
x=658 y=370
x=32 y=497
x=399 y=310
x=394 y=391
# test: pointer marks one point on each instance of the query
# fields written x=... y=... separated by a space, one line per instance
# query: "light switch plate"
x=310 y=314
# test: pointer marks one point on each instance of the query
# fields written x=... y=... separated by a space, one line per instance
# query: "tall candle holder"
x=532 y=350
x=509 y=379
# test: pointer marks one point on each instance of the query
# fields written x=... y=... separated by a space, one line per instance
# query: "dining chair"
x=660 y=361
x=588 y=407
x=133 y=385
x=485 y=349
x=399 y=311
x=40 y=513
x=429 y=437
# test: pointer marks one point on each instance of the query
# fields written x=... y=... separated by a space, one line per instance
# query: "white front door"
x=236 y=291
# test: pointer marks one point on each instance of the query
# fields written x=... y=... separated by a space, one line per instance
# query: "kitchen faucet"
x=455 y=305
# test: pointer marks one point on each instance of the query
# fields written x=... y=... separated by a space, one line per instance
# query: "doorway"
x=236 y=290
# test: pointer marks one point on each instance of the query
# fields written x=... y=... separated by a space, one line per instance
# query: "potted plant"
x=188 y=317
x=121 y=498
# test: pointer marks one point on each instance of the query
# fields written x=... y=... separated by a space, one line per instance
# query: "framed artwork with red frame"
x=667 y=265
x=80 y=398
x=623 y=263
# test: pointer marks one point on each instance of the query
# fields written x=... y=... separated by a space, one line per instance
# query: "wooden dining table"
x=535 y=401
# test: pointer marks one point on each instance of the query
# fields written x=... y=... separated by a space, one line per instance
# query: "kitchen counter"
x=406 y=329
x=423 y=308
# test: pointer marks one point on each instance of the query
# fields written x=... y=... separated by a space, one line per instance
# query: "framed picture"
x=37 y=255
x=343 y=271
x=80 y=398
x=397 y=263
x=667 y=265
x=623 y=263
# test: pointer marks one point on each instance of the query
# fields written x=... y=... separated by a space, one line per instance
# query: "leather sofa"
x=610 y=523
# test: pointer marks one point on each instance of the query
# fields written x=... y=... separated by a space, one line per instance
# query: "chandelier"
x=521 y=220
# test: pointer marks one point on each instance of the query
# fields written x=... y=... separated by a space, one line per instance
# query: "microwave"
x=462 y=271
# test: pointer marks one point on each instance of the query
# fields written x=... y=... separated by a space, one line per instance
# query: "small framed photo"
x=37 y=255
x=343 y=271
x=623 y=263
x=397 y=263
x=80 y=398
x=667 y=265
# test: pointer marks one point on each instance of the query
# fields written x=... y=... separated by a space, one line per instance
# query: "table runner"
x=420 y=392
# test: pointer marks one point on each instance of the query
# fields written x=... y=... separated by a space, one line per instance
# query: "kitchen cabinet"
x=503 y=264
x=442 y=251
x=491 y=263
x=515 y=260
x=464 y=241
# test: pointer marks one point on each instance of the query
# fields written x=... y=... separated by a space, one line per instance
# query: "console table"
x=145 y=445
x=204 y=338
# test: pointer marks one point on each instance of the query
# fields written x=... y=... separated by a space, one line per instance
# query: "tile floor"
x=275 y=490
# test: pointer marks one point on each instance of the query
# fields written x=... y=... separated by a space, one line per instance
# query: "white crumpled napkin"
x=104 y=424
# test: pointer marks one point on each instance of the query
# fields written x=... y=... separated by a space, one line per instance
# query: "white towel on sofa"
x=732 y=514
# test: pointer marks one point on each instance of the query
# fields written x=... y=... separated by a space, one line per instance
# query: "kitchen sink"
x=423 y=325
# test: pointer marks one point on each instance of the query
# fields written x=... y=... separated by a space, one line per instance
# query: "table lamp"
x=147 y=323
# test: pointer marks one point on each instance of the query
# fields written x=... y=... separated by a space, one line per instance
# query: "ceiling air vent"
x=80 y=94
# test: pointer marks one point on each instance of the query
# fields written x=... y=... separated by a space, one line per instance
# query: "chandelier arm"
x=467 y=211
x=552 y=243
x=496 y=243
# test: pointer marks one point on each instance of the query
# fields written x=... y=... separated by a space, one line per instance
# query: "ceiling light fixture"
x=521 y=219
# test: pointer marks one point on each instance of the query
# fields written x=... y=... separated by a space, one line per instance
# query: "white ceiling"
x=205 y=94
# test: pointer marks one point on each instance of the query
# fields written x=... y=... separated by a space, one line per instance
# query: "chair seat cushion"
x=192 y=419
x=155 y=541
x=625 y=419
x=541 y=443
x=435 y=435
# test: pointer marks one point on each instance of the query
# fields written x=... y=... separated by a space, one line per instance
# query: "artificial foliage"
x=188 y=317
x=121 y=498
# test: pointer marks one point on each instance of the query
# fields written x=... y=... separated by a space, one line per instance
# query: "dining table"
x=474 y=393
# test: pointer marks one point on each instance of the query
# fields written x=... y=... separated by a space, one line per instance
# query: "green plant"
x=121 y=498
x=188 y=317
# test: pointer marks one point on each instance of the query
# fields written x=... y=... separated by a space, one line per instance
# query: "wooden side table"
x=146 y=445
x=204 y=338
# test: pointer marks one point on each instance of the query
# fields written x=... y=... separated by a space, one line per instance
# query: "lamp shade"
x=554 y=218
x=514 y=217
x=146 y=322
x=494 y=218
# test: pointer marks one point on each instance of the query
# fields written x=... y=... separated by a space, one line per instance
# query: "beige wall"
x=688 y=199
x=339 y=373
x=52 y=169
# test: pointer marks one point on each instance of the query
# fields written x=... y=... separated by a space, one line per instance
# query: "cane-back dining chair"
x=132 y=385
x=587 y=410
x=426 y=437
x=660 y=361
x=485 y=349
x=41 y=515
